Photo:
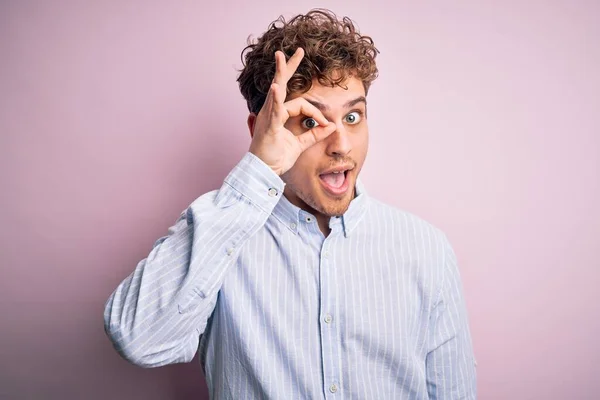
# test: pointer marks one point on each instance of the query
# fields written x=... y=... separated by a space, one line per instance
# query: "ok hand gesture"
x=272 y=142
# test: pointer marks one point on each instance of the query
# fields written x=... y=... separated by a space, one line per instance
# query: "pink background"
x=114 y=116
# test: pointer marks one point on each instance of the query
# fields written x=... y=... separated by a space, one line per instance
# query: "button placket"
x=329 y=332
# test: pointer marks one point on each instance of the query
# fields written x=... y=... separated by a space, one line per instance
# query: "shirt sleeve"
x=450 y=363
x=157 y=314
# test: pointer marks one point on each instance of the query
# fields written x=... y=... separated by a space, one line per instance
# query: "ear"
x=251 y=121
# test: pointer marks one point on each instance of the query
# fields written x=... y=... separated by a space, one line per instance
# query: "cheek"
x=311 y=157
x=361 y=144
x=304 y=168
x=365 y=145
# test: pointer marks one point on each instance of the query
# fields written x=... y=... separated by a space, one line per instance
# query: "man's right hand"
x=272 y=142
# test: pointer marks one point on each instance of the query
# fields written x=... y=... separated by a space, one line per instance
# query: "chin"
x=331 y=207
x=335 y=211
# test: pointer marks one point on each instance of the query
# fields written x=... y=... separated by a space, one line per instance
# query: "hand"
x=271 y=141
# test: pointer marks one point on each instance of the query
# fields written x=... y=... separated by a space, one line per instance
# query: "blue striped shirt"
x=276 y=310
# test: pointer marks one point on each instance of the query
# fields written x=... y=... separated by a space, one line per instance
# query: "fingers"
x=300 y=106
x=278 y=97
x=280 y=68
x=294 y=61
x=279 y=113
x=284 y=71
x=269 y=100
x=275 y=105
x=315 y=135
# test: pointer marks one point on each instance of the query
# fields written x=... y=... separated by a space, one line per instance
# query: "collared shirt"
x=276 y=310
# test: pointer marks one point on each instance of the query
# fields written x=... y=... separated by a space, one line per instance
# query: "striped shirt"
x=276 y=310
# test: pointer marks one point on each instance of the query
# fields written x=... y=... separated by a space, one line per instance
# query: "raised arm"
x=156 y=315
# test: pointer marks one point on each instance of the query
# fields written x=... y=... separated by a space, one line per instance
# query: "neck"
x=322 y=219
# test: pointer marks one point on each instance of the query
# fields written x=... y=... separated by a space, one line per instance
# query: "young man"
x=290 y=280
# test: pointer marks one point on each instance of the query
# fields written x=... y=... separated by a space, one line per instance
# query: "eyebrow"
x=325 y=107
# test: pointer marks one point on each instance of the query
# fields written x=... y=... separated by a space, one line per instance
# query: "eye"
x=353 y=118
x=309 y=123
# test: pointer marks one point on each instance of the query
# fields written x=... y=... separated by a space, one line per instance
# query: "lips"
x=335 y=183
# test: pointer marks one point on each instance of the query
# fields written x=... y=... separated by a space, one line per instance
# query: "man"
x=290 y=280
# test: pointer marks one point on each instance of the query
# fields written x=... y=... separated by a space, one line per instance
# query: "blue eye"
x=310 y=123
x=353 y=118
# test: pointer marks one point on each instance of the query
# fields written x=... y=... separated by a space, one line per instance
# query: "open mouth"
x=335 y=182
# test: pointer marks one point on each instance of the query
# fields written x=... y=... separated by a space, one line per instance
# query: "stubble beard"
x=331 y=207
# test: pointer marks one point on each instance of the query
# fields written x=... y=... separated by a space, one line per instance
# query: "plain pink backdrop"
x=116 y=115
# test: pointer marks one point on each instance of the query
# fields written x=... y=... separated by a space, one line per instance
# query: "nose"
x=338 y=143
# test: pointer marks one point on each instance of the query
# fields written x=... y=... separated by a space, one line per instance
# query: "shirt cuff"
x=257 y=181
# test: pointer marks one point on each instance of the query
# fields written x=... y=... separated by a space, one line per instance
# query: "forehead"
x=336 y=96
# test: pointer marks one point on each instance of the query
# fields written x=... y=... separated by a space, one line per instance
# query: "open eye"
x=353 y=118
x=309 y=123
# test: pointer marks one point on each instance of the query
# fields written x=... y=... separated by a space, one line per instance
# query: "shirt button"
x=308 y=219
x=293 y=225
x=273 y=192
x=328 y=318
x=230 y=251
x=333 y=388
x=326 y=254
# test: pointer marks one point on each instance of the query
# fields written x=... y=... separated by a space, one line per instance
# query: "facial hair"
x=332 y=208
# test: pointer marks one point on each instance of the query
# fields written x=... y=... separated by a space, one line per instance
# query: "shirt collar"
x=292 y=216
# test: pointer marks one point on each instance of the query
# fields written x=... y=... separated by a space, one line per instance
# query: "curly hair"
x=334 y=50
